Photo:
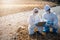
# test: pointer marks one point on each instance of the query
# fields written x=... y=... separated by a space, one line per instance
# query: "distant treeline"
x=58 y=1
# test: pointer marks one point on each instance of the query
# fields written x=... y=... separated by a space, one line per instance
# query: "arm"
x=43 y=18
x=31 y=21
x=55 y=20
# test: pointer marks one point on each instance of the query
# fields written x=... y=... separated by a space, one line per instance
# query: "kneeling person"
x=51 y=20
x=33 y=20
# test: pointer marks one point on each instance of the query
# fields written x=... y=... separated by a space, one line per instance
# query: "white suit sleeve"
x=30 y=20
x=55 y=20
x=43 y=17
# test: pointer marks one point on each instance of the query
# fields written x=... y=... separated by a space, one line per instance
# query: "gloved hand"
x=36 y=24
x=49 y=23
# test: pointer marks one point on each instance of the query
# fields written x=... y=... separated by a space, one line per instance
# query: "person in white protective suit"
x=33 y=20
x=51 y=20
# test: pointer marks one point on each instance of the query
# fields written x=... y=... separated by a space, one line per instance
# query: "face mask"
x=48 y=12
x=34 y=14
x=35 y=11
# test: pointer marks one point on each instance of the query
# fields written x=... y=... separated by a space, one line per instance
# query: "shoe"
x=31 y=35
x=43 y=33
x=55 y=34
x=38 y=33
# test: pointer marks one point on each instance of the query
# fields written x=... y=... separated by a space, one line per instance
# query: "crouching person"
x=33 y=20
x=51 y=20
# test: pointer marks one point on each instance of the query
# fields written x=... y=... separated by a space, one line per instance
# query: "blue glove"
x=48 y=23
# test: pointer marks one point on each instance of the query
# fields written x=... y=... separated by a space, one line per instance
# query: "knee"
x=30 y=28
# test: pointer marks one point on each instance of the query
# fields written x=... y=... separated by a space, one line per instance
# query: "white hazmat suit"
x=51 y=17
x=34 y=19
